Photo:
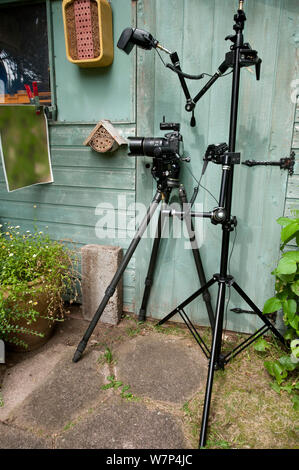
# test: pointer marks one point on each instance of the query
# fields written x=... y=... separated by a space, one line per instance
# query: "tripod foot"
x=79 y=351
x=142 y=315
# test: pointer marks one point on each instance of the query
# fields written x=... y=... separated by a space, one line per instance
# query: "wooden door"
x=196 y=30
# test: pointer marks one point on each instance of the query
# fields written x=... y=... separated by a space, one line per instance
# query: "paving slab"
x=160 y=367
x=13 y=438
x=21 y=380
x=119 y=424
x=70 y=389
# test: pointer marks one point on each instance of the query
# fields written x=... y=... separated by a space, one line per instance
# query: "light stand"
x=240 y=55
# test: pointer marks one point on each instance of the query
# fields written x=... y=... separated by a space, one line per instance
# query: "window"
x=24 y=54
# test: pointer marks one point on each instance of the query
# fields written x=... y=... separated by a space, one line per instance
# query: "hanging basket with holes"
x=88 y=32
x=104 y=138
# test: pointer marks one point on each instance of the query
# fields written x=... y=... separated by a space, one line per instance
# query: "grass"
x=107 y=357
x=245 y=411
x=123 y=389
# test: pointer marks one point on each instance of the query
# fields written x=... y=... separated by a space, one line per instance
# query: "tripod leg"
x=116 y=278
x=152 y=264
x=197 y=258
x=214 y=361
x=258 y=312
x=187 y=301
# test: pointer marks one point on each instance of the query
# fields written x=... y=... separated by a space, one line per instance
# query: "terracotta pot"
x=41 y=325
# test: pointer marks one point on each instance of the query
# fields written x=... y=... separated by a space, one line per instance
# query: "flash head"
x=134 y=36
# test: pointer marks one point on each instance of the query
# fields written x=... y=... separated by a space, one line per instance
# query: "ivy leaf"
x=289 y=308
x=287 y=363
x=286 y=266
x=276 y=370
x=261 y=345
x=272 y=305
x=295 y=287
x=275 y=387
x=294 y=323
x=294 y=255
x=289 y=231
x=284 y=221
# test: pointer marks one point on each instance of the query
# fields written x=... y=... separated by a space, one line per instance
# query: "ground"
x=138 y=387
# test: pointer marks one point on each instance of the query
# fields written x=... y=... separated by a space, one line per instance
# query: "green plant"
x=31 y=265
x=116 y=384
x=107 y=357
x=286 y=298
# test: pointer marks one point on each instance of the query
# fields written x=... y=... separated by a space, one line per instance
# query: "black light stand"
x=240 y=55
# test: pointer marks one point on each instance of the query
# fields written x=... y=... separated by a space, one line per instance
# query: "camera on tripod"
x=166 y=151
x=171 y=145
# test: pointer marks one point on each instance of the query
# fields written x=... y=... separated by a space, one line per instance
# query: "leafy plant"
x=286 y=298
x=107 y=357
x=116 y=384
x=31 y=265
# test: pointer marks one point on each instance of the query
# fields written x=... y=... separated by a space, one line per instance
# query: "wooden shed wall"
x=135 y=93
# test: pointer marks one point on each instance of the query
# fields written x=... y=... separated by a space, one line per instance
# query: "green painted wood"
x=88 y=158
x=64 y=196
x=296 y=136
x=197 y=29
x=74 y=134
x=91 y=94
x=293 y=187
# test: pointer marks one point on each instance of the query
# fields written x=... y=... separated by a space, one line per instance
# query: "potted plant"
x=35 y=275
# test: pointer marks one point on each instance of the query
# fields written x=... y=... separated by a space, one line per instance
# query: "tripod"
x=240 y=55
x=166 y=170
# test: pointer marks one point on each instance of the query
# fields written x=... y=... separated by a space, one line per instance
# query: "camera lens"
x=136 y=145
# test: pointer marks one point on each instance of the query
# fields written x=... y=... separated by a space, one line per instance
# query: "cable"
x=229 y=260
x=199 y=184
x=185 y=75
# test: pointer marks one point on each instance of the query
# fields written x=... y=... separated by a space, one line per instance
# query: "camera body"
x=166 y=152
x=171 y=145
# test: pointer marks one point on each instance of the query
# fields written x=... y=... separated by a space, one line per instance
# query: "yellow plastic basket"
x=88 y=32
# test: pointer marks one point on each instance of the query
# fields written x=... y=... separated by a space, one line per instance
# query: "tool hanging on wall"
x=287 y=163
x=33 y=97
x=104 y=138
x=88 y=32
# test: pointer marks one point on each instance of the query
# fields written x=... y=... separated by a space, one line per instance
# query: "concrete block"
x=99 y=264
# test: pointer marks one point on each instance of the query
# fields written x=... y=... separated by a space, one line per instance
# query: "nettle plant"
x=32 y=264
x=286 y=299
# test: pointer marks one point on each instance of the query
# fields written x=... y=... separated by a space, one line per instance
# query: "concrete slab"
x=160 y=367
x=119 y=424
x=69 y=390
x=13 y=438
x=22 y=379
x=98 y=265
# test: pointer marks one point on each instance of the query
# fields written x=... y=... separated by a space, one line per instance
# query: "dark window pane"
x=23 y=52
